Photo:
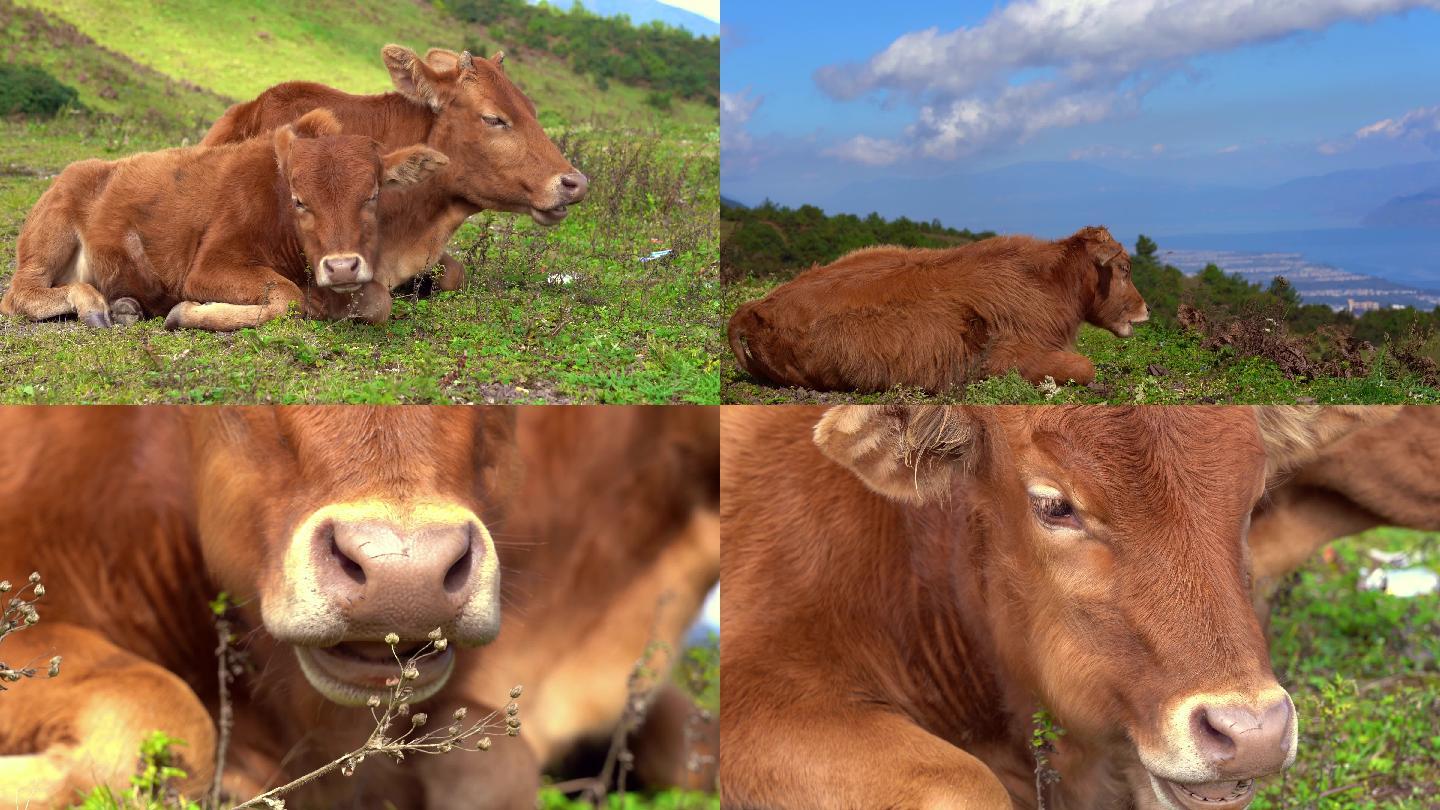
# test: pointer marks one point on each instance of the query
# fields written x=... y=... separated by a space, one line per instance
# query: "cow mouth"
x=352 y=672
x=550 y=216
x=346 y=288
x=1229 y=794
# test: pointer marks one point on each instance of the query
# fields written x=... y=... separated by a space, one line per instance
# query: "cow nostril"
x=352 y=569
x=1214 y=741
x=459 y=572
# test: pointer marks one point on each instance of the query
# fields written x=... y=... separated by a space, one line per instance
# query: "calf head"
x=1116 y=304
x=339 y=526
x=501 y=157
x=1106 y=550
x=334 y=183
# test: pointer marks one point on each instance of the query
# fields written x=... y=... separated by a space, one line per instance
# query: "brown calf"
x=467 y=108
x=594 y=513
x=219 y=238
x=933 y=319
x=905 y=587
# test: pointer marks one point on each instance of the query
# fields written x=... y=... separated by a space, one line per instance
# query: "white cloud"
x=869 y=151
x=1042 y=64
x=709 y=9
x=1420 y=124
x=735 y=112
x=1228 y=150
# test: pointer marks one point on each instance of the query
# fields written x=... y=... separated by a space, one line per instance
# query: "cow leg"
x=863 y=758
x=67 y=735
x=230 y=298
x=452 y=277
x=1298 y=522
x=663 y=751
x=1061 y=367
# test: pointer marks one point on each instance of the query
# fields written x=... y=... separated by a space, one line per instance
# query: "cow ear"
x=441 y=60
x=498 y=59
x=414 y=79
x=283 y=138
x=906 y=453
x=1102 y=247
x=411 y=165
x=317 y=123
x=1296 y=434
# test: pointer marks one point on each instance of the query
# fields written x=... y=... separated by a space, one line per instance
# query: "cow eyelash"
x=494 y=120
x=1054 y=511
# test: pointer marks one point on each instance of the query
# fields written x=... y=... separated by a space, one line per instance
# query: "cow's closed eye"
x=494 y=120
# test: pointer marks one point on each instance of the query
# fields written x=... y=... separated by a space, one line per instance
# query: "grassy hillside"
x=561 y=314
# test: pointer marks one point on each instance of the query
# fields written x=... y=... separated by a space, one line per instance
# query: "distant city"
x=1317 y=283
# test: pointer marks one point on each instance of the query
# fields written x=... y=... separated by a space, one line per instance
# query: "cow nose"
x=342 y=269
x=393 y=580
x=1246 y=741
x=576 y=185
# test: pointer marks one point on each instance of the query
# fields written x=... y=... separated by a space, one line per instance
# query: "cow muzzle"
x=566 y=189
x=1219 y=746
x=343 y=272
x=358 y=572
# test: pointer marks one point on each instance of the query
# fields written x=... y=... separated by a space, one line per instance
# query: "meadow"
x=566 y=314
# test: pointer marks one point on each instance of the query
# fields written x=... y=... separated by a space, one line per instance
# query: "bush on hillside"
x=28 y=90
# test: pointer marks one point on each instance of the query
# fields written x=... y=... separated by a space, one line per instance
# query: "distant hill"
x=1413 y=211
x=729 y=203
x=644 y=11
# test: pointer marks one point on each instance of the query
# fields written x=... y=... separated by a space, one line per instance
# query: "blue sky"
x=1233 y=92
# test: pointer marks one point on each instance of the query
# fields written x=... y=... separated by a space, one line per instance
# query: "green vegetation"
x=1364 y=670
x=561 y=314
x=1241 y=343
x=552 y=799
x=670 y=62
x=28 y=90
x=151 y=788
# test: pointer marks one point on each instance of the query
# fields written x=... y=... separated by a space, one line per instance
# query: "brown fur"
x=212 y=237
x=512 y=166
x=894 y=612
x=1387 y=474
x=613 y=511
x=933 y=319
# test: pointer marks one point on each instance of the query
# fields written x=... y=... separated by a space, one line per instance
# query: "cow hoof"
x=176 y=315
x=126 y=311
x=100 y=319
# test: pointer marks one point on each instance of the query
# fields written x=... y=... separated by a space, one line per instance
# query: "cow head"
x=1116 y=304
x=1106 y=550
x=334 y=183
x=337 y=526
x=501 y=157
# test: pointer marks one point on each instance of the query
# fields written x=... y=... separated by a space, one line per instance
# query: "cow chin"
x=550 y=216
x=346 y=675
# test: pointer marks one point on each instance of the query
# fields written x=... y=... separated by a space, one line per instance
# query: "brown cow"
x=1387 y=474
x=466 y=108
x=906 y=586
x=885 y=316
x=618 y=506
x=219 y=238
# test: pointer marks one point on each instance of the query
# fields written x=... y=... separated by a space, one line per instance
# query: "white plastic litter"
x=559 y=278
x=1403 y=582
x=659 y=254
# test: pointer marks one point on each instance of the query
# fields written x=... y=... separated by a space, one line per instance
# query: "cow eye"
x=1054 y=511
x=299 y=206
x=493 y=120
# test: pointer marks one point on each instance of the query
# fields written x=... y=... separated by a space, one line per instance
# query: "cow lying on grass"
x=933 y=319
x=906 y=587
x=466 y=108
x=219 y=238
x=329 y=528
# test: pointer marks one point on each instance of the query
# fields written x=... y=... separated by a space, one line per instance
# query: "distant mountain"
x=726 y=202
x=1413 y=211
x=644 y=11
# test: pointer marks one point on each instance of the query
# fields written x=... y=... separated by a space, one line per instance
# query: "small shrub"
x=28 y=90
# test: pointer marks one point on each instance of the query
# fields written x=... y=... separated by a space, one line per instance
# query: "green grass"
x=561 y=314
x=1155 y=366
x=1364 y=671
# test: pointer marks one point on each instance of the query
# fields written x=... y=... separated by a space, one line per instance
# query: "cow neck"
x=1077 y=280
x=409 y=123
x=953 y=655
